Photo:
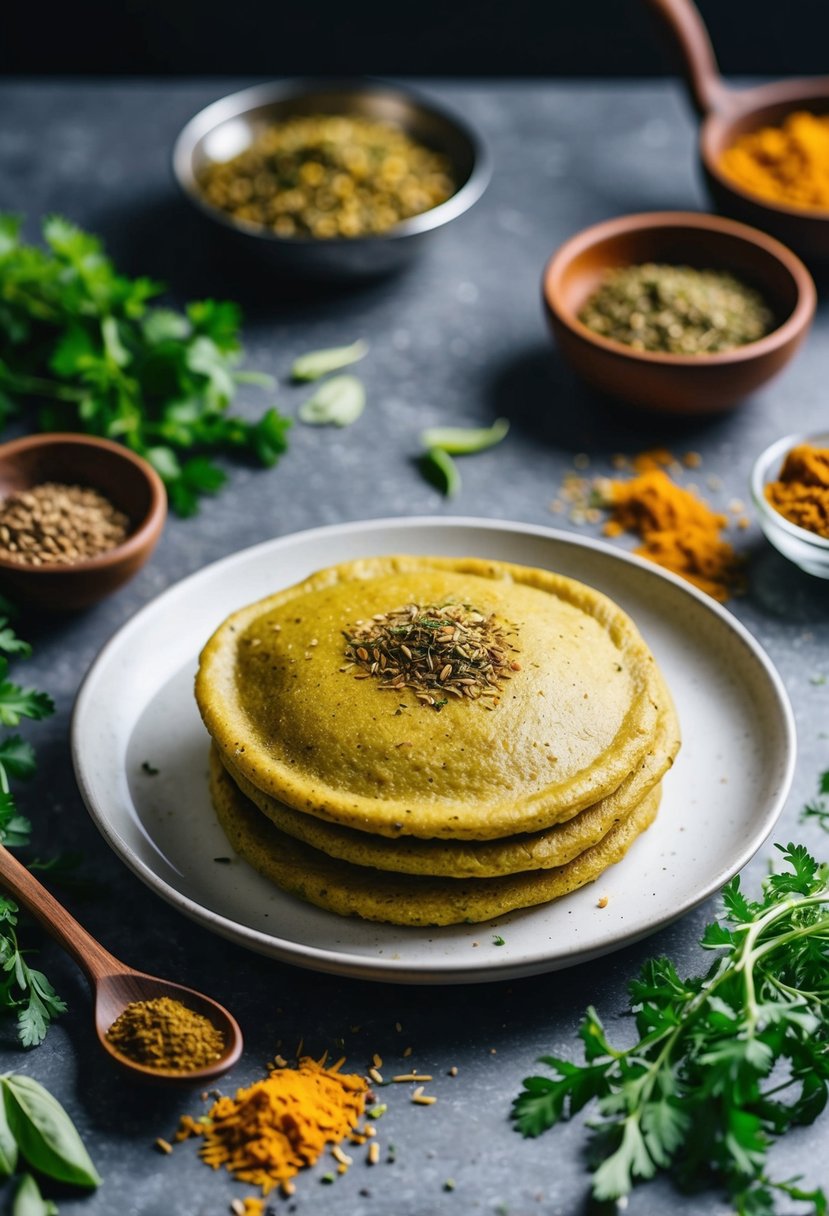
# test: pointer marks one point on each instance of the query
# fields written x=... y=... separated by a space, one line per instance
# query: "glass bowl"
x=806 y=549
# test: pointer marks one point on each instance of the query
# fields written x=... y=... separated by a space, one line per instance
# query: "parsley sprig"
x=724 y=1063
x=82 y=340
x=24 y=991
x=818 y=808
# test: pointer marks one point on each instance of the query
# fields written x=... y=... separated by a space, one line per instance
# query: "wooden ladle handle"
x=87 y=952
x=687 y=36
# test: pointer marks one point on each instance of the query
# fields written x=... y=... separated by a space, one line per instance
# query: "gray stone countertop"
x=459 y=338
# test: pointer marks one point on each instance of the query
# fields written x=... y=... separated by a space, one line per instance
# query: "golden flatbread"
x=574 y=713
x=404 y=899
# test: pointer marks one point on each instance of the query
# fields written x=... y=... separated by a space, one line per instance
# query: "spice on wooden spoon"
x=118 y=986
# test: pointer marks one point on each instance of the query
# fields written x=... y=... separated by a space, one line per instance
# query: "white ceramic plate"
x=720 y=801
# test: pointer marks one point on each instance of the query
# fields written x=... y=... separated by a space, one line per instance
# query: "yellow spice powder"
x=274 y=1128
x=801 y=492
x=678 y=531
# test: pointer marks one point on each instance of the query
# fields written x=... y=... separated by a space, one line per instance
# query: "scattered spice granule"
x=453 y=1071
x=449 y=1184
x=376 y=1076
x=373 y=1153
x=279 y=1125
x=163 y=1146
x=679 y=531
x=412 y=1076
x=419 y=1098
x=407 y=1051
x=603 y=902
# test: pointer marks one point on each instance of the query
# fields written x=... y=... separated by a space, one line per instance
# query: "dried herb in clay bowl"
x=781 y=301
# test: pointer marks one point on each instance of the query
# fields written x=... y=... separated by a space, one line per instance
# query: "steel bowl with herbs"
x=334 y=180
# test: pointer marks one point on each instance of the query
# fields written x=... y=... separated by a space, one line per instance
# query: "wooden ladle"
x=728 y=113
x=116 y=985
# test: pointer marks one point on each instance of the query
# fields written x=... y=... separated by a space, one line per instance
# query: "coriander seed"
x=53 y=524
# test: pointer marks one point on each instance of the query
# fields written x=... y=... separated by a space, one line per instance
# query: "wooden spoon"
x=115 y=984
x=729 y=113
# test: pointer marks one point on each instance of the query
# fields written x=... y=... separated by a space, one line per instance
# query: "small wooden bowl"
x=728 y=113
x=124 y=478
x=677 y=384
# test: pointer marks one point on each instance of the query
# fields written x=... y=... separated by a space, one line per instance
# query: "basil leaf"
x=8 y=1146
x=465 y=440
x=338 y=402
x=28 y=1200
x=441 y=470
x=45 y=1134
x=319 y=363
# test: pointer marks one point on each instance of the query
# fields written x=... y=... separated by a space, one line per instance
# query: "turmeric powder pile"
x=679 y=531
x=280 y=1125
x=787 y=164
x=801 y=492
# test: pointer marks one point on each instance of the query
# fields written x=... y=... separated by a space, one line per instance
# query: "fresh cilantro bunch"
x=82 y=341
x=724 y=1063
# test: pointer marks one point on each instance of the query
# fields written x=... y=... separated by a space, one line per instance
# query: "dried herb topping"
x=437 y=651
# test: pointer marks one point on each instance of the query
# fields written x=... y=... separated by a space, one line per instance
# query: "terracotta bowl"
x=727 y=113
x=677 y=384
x=122 y=477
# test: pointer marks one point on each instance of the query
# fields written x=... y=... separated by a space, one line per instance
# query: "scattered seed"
x=421 y=1099
x=163 y=1146
x=373 y=1154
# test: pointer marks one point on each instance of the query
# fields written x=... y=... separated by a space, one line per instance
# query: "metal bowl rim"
x=235 y=105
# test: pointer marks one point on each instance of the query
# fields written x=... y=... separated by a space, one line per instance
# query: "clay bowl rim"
x=146 y=530
x=791 y=94
x=794 y=324
x=772 y=455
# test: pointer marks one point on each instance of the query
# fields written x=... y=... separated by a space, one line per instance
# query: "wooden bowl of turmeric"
x=675 y=311
x=764 y=150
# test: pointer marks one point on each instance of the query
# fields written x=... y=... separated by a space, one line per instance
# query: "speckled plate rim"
x=106 y=794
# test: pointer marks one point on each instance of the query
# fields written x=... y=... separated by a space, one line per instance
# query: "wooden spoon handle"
x=686 y=34
x=89 y=954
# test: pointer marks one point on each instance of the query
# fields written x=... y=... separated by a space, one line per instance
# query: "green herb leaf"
x=440 y=469
x=319 y=363
x=465 y=441
x=79 y=342
x=700 y=1094
x=337 y=402
x=8 y=1146
x=28 y=1200
x=45 y=1134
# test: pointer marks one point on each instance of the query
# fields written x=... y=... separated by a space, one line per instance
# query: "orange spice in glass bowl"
x=790 y=489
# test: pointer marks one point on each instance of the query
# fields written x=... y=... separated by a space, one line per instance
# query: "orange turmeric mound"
x=280 y=1125
x=801 y=492
x=678 y=530
x=788 y=164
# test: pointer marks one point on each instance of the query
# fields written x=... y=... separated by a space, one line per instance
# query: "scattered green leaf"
x=724 y=1062
x=465 y=441
x=440 y=469
x=45 y=1135
x=497 y=940
x=28 y=1200
x=318 y=363
x=337 y=402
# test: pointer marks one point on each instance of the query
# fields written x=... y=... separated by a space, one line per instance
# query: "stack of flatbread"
x=375 y=774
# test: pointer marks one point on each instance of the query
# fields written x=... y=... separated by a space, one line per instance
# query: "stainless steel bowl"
x=228 y=126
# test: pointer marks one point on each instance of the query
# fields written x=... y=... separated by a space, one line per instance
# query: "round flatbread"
x=543 y=850
x=404 y=899
x=573 y=714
